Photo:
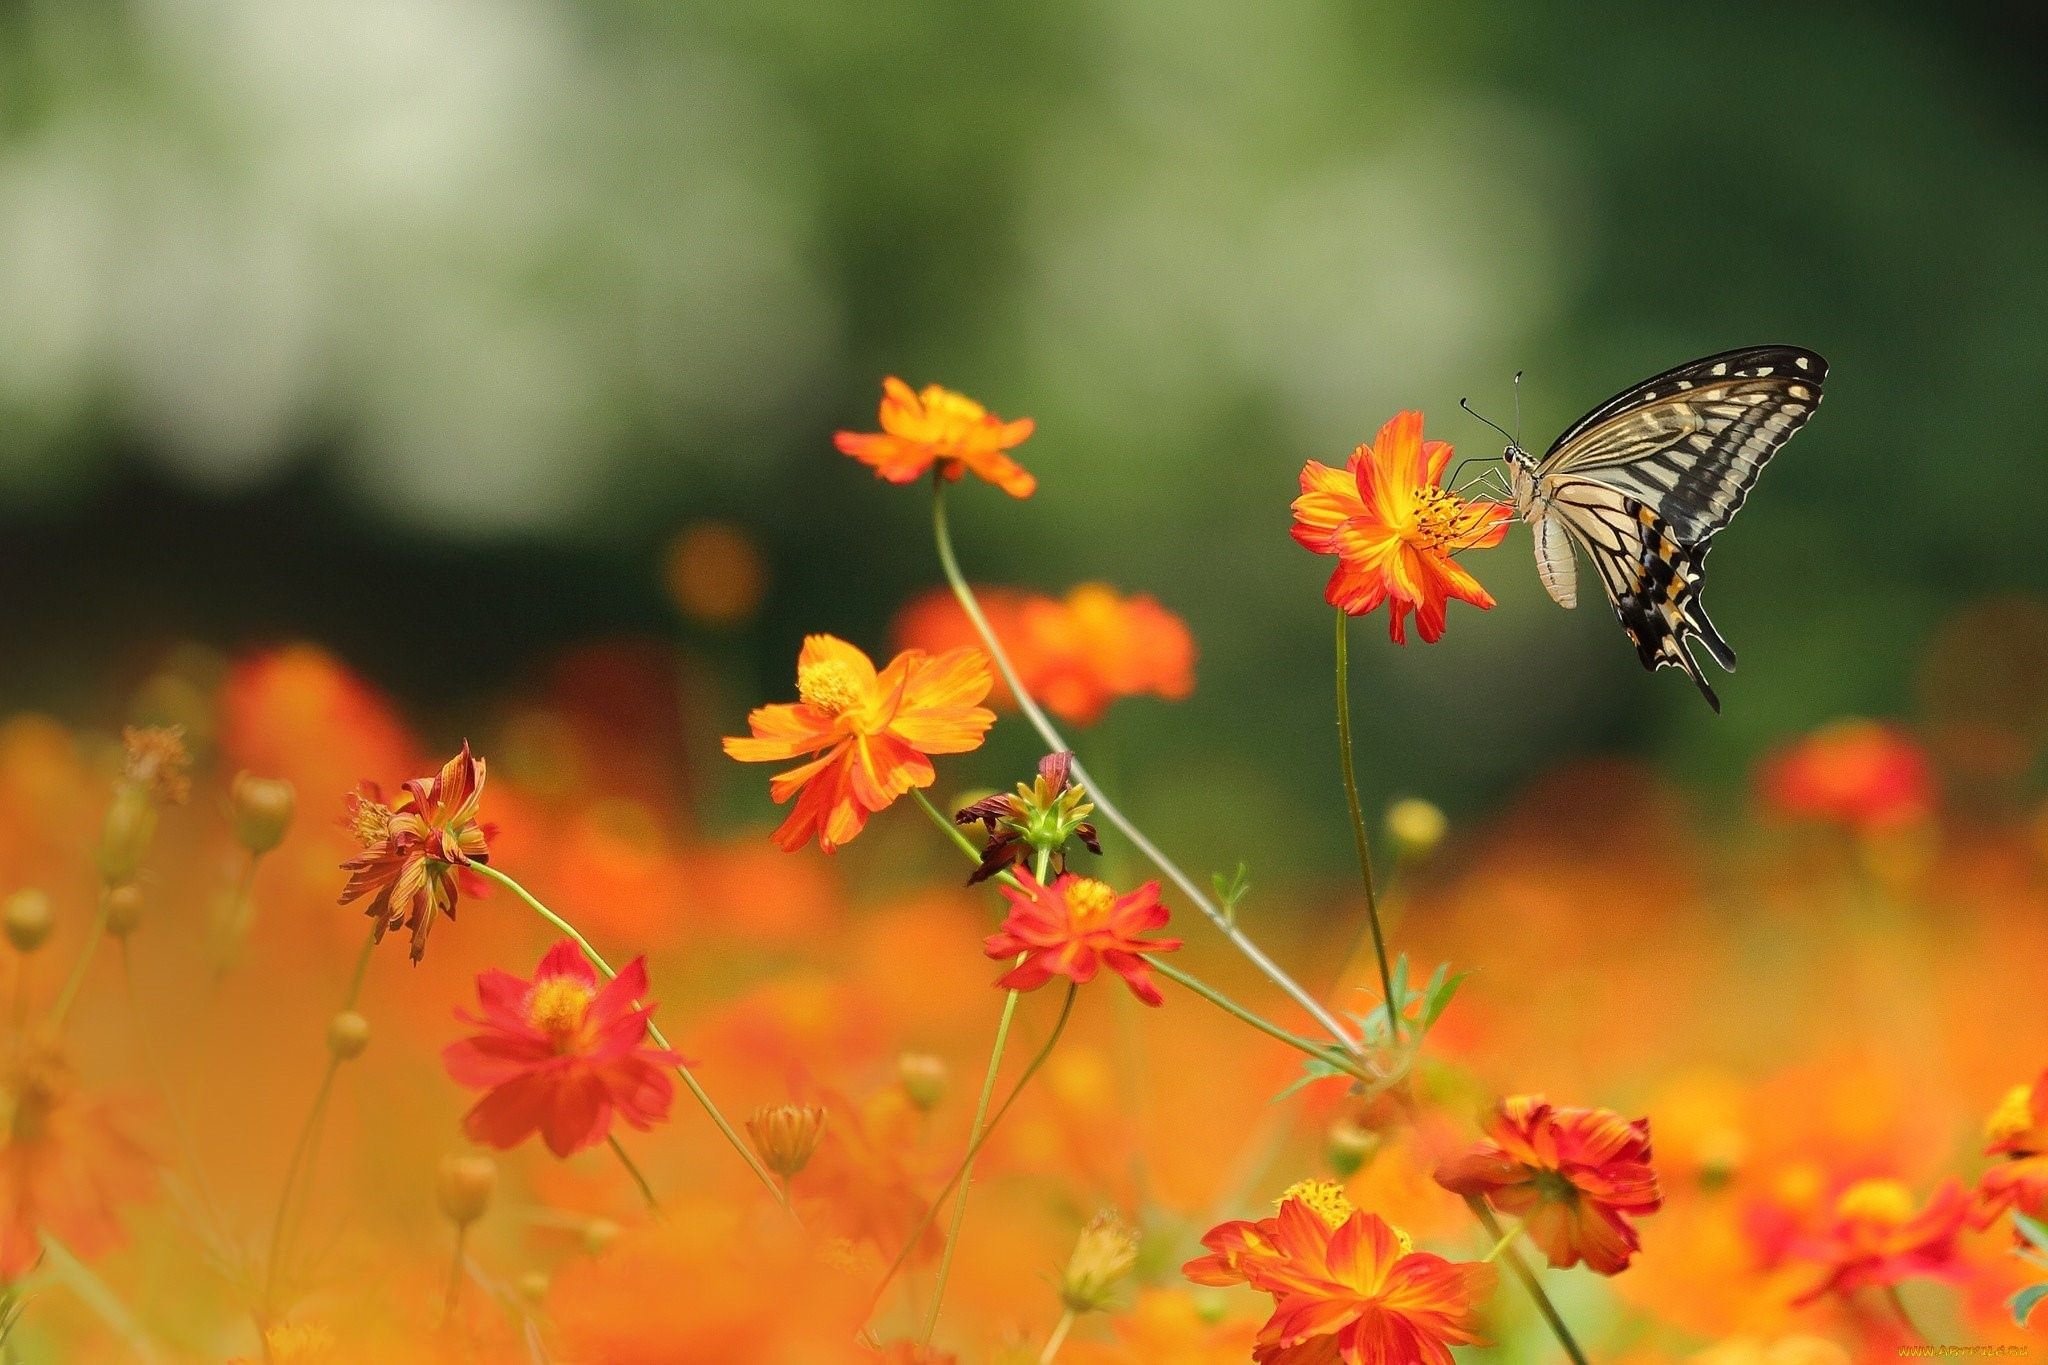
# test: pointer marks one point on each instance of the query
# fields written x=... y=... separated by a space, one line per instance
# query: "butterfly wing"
x=1644 y=481
x=1692 y=441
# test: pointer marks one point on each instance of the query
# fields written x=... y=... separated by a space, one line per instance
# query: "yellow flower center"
x=2013 y=1117
x=1887 y=1202
x=1325 y=1198
x=1443 y=518
x=370 y=822
x=1089 y=900
x=558 y=1006
x=830 y=686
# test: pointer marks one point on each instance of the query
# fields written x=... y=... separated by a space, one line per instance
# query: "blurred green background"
x=418 y=327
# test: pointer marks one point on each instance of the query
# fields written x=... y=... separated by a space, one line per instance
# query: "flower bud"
x=124 y=909
x=262 y=809
x=1348 y=1146
x=29 y=919
x=126 y=836
x=463 y=1186
x=786 y=1134
x=348 y=1033
x=924 y=1078
x=1416 y=826
x=1103 y=1255
x=598 y=1234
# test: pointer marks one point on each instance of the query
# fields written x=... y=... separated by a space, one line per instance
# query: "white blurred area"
x=502 y=257
x=463 y=242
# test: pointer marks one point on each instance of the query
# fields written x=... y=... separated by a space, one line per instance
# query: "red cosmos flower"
x=942 y=427
x=2017 y=1131
x=871 y=733
x=1075 y=926
x=1075 y=654
x=69 y=1162
x=1347 y=1289
x=1575 y=1177
x=1394 y=529
x=417 y=850
x=1875 y=1237
x=560 y=1054
x=1859 y=773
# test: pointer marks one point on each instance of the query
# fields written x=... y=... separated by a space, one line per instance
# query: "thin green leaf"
x=1313 y=1069
x=2024 y=1301
x=1441 y=992
x=2031 y=1229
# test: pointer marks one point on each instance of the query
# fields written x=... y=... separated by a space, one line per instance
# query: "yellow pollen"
x=1444 y=518
x=558 y=1005
x=829 y=686
x=1089 y=900
x=1325 y=1198
x=1887 y=1202
x=2013 y=1117
x=370 y=822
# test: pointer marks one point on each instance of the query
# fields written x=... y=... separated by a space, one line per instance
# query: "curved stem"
x=1106 y=808
x=1528 y=1280
x=1358 y=834
x=1057 y=1339
x=455 y=1274
x=931 y=1213
x=76 y=980
x=682 y=1069
x=1335 y=1056
x=308 y=1141
x=639 y=1179
x=94 y=1292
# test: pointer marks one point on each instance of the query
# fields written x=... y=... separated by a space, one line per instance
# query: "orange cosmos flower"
x=417 y=850
x=2017 y=1131
x=1575 y=1177
x=938 y=426
x=560 y=1055
x=70 y=1161
x=1075 y=654
x=1394 y=528
x=1875 y=1237
x=1347 y=1288
x=1076 y=926
x=870 y=733
x=1859 y=773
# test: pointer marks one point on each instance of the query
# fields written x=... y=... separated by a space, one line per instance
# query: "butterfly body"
x=1644 y=482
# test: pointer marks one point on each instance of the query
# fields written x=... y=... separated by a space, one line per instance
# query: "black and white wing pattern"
x=1644 y=481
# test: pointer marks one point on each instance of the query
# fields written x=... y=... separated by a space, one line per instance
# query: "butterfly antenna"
x=1518 y=407
x=1467 y=406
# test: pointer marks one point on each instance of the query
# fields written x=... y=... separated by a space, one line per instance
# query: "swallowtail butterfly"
x=1644 y=481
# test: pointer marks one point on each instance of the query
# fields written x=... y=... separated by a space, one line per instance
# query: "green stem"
x=1528 y=1281
x=1106 y=808
x=1506 y=1239
x=988 y=1092
x=1335 y=1056
x=1057 y=1339
x=76 y=980
x=639 y=1180
x=454 y=1294
x=280 y=1229
x=697 y=1091
x=931 y=1212
x=95 y=1294
x=1358 y=834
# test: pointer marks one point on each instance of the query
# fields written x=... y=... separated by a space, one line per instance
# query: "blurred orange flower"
x=1859 y=773
x=1575 y=1177
x=942 y=427
x=1875 y=1236
x=1076 y=926
x=1346 y=1286
x=560 y=1055
x=71 y=1160
x=1394 y=529
x=1075 y=654
x=2017 y=1131
x=872 y=733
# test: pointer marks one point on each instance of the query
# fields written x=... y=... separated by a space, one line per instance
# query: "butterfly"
x=1645 y=481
